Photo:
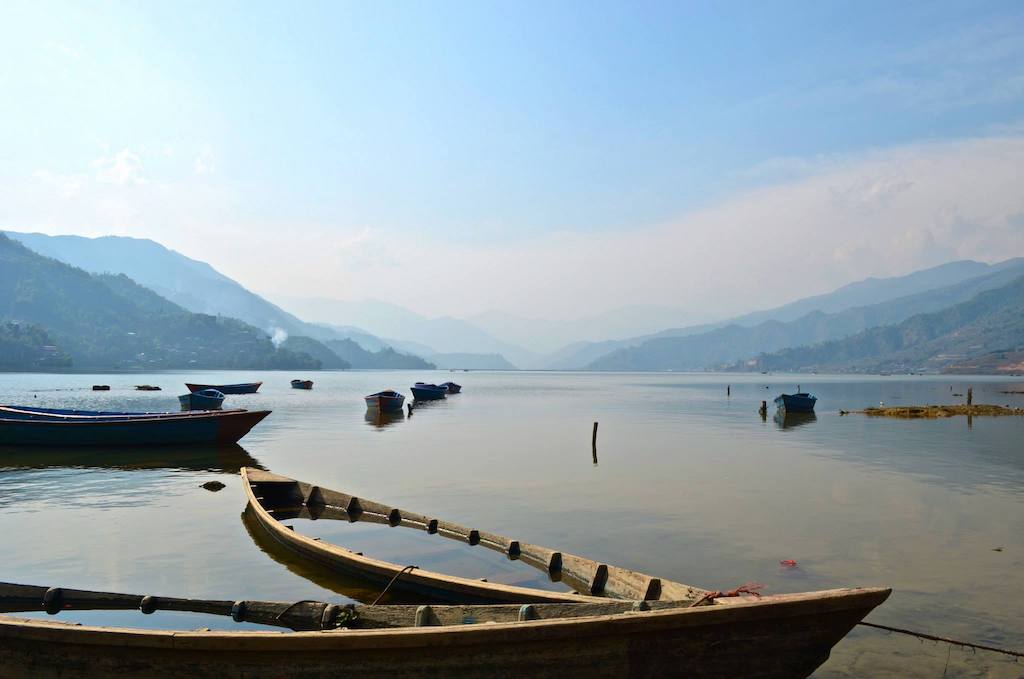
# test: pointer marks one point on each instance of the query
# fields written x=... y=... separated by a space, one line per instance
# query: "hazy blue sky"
x=544 y=158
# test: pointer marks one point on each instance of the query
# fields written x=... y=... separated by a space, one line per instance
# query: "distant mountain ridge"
x=867 y=292
x=108 y=321
x=990 y=322
x=724 y=345
x=199 y=288
x=189 y=283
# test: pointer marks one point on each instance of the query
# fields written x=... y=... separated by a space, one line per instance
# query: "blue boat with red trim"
x=25 y=426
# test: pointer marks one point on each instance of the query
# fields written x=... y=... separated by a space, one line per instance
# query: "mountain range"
x=109 y=321
x=724 y=345
x=374 y=334
x=198 y=287
x=990 y=322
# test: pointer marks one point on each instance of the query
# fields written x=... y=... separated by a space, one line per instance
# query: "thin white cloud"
x=881 y=213
x=121 y=169
x=205 y=162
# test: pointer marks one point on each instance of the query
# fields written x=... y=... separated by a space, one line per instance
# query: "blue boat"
x=23 y=426
x=207 y=399
x=245 y=388
x=387 y=401
x=451 y=387
x=428 y=392
x=302 y=384
x=796 y=403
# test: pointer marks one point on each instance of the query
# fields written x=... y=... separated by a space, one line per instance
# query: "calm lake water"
x=689 y=485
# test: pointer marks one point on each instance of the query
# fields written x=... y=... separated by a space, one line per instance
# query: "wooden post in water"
x=764 y=410
x=970 y=395
x=593 y=443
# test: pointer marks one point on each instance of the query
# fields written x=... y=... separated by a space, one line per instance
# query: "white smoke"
x=278 y=336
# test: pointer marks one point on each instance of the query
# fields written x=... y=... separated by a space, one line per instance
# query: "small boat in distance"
x=146 y=387
x=245 y=388
x=302 y=384
x=24 y=426
x=101 y=387
x=206 y=399
x=422 y=391
x=451 y=387
x=801 y=402
x=387 y=401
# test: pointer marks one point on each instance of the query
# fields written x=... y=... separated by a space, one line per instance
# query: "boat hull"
x=796 y=403
x=302 y=384
x=428 y=393
x=779 y=636
x=226 y=426
x=247 y=388
x=198 y=401
x=385 y=403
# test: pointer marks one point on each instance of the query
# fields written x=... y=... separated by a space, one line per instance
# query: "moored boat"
x=422 y=391
x=387 y=401
x=244 y=388
x=801 y=402
x=302 y=384
x=205 y=399
x=101 y=387
x=146 y=387
x=780 y=636
x=52 y=427
x=451 y=387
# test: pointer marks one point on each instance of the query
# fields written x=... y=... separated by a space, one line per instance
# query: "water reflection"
x=379 y=420
x=356 y=589
x=788 y=420
x=227 y=458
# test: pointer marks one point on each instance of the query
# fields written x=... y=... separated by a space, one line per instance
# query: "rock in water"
x=212 y=486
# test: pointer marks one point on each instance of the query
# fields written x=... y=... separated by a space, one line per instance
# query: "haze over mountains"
x=199 y=288
x=374 y=334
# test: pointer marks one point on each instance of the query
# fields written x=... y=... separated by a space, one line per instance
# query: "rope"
x=294 y=604
x=749 y=588
x=407 y=569
x=932 y=637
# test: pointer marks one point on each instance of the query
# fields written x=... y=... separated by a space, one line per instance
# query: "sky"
x=546 y=159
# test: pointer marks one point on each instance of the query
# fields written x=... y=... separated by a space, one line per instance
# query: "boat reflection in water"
x=227 y=458
x=788 y=420
x=380 y=419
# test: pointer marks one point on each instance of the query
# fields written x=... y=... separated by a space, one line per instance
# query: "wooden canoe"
x=273 y=498
x=780 y=636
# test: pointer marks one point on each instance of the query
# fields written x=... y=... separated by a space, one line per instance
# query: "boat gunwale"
x=98 y=420
x=778 y=606
x=387 y=569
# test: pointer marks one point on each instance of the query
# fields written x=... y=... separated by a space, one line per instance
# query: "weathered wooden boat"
x=204 y=399
x=422 y=391
x=245 y=388
x=451 y=387
x=273 y=498
x=789 y=636
x=96 y=428
x=796 y=403
x=387 y=401
x=302 y=384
